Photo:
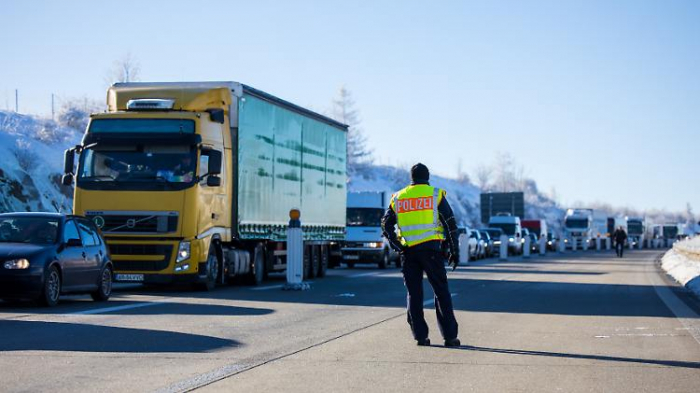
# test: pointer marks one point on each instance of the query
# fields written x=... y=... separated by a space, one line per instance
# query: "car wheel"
x=52 y=288
x=104 y=286
x=384 y=262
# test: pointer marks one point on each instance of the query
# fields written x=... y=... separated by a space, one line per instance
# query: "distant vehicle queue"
x=194 y=183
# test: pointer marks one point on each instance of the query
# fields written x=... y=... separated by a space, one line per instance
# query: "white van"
x=511 y=227
x=364 y=242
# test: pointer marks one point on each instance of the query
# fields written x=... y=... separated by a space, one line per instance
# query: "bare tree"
x=125 y=69
x=344 y=111
x=483 y=177
x=462 y=177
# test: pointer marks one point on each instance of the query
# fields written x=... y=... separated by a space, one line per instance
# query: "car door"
x=91 y=253
x=71 y=255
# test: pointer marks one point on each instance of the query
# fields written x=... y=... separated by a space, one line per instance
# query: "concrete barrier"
x=608 y=244
x=503 y=251
x=295 y=254
x=562 y=245
x=573 y=242
x=597 y=244
x=543 y=245
x=527 y=246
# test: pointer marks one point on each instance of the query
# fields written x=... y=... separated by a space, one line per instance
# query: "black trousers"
x=433 y=264
x=619 y=248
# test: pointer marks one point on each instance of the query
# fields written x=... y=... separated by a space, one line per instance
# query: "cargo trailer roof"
x=237 y=89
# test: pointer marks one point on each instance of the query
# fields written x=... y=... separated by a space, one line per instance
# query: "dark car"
x=495 y=234
x=44 y=255
x=534 y=243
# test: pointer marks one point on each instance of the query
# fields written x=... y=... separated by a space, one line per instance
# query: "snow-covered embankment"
x=682 y=262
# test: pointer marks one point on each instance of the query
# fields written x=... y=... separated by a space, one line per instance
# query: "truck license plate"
x=351 y=257
x=129 y=277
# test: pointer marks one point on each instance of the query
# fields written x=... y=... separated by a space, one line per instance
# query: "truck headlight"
x=183 y=251
x=372 y=245
x=17 y=264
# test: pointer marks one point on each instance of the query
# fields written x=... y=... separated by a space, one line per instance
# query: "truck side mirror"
x=215 y=158
x=68 y=160
x=67 y=179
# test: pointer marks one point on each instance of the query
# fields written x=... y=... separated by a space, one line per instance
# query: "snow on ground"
x=31 y=163
x=682 y=262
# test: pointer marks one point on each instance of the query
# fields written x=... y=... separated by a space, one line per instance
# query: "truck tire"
x=325 y=252
x=307 y=262
x=212 y=267
x=257 y=274
x=315 y=261
x=384 y=261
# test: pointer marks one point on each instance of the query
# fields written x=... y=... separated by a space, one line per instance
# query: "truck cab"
x=364 y=242
x=578 y=228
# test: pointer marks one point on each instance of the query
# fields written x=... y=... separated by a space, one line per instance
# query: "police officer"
x=424 y=220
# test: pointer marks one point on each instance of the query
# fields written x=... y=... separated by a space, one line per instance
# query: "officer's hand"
x=454 y=261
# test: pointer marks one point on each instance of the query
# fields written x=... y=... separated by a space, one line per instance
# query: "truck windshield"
x=149 y=167
x=576 y=223
x=508 y=229
x=364 y=217
x=635 y=228
x=670 y=232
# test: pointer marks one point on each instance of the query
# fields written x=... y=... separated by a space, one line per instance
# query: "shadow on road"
x=78 y=337
x=667 y=363
x=471 y=269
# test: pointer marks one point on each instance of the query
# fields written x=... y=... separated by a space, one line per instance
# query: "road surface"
x=572 y=322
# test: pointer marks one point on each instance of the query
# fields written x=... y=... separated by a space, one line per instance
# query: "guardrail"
x=689 y=247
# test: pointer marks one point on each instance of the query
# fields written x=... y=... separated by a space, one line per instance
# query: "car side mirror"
x=74 y=243
x=213 y=181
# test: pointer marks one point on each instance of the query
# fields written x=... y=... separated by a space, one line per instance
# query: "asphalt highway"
x=572 y=322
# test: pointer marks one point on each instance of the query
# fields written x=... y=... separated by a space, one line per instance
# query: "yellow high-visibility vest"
x=416 y=209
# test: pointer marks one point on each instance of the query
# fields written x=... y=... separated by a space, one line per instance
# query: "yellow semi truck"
x=193 y=182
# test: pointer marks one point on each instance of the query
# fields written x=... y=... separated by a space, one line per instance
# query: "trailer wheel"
x=257 y=274
x=324 y=261
x=307 y=262
x=315 y=261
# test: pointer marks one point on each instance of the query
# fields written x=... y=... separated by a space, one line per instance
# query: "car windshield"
x=508 y=229
x=133 y=165
x=364 y=217
x=485 y=235
x=35 y=230
x=576 y=223
x=494 y=233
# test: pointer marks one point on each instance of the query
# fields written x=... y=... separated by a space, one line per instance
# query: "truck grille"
x=141 y=223
x=141 y=249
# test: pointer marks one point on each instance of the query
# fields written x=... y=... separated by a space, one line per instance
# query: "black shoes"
x=423 y=343
x=453 y=342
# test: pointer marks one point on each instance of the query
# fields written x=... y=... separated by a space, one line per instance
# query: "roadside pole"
x=503 y=251
x=463 y=249
x=562 y=245
x=597 y=244
x=295 y=254
x=528 y=246
x=573 y=244
x=607 y=244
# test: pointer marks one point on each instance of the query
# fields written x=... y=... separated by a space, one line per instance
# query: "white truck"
x=635 y=230
x=578 y=228
x=363 y=239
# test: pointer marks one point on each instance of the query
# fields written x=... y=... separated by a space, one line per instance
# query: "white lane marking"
x=432 y=301
x=268 y=287
x=688 y=318
x=363 y=274
x=117 y=308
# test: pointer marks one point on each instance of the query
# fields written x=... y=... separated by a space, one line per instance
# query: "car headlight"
x=511 y=239
x=183 y=251
x=549 y=242
x=17 y=264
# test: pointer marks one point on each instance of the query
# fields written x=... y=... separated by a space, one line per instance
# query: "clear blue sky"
x=598 y=99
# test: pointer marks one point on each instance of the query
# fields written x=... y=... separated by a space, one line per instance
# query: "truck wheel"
x=307 y=262
x=324 y=262
x=315 y=261
x=257 y=275
x=212 y=273
x=385 y=259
